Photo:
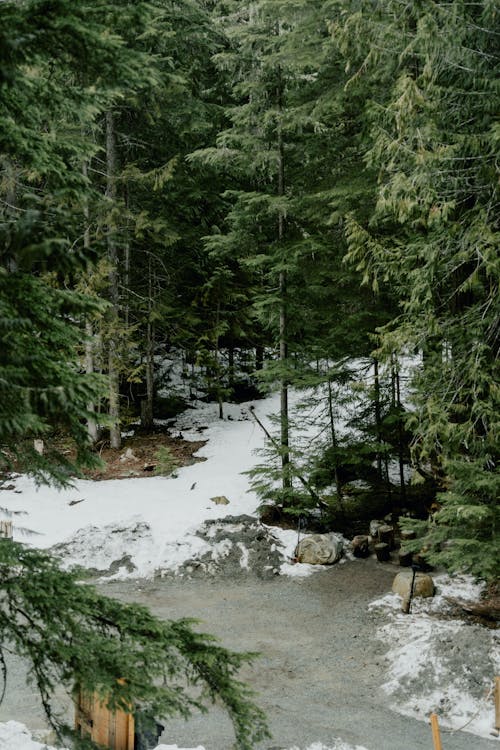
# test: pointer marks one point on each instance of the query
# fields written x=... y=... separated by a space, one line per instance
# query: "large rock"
x=319 y=549
x=423 y=585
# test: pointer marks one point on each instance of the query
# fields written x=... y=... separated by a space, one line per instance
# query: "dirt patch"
x=141 y=456
x=239 y=546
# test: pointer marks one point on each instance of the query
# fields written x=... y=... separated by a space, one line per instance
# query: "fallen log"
x=489 y=609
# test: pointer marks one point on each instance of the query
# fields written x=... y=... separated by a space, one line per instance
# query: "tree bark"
x=92 y=428
x=113 y=370
x=147 y=406
x=283 y=323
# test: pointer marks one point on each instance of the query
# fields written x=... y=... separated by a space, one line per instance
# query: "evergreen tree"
x=433 y=74
x=61 y=73
x=119 y=651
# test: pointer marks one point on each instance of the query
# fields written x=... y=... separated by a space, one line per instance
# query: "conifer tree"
x=433 y=75
x=61 y=70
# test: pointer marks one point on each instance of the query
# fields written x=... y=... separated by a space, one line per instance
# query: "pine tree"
x=433 y=75
x=119 y=651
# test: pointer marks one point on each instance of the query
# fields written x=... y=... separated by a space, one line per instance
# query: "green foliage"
x=166 y=462
x=432 y=71
x=73 y=637
x=462 y=533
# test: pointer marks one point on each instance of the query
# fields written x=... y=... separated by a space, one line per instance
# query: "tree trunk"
x=378 y=417
x=92 y=428
x=113 y=369
x=400 y=439
x=283 y=327
x=218 y=368
x=333 y=434
x=147 y=405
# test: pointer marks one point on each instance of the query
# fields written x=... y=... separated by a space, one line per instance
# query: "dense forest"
x=279 y=194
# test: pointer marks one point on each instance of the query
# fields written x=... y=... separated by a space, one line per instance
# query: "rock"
x=383 y=552
x=405 y=558
x=360 y=546
x=423 y=585
x=374 y=527
x=219 y=500
x=319 y=549
x=386 y=535
x=129 y=455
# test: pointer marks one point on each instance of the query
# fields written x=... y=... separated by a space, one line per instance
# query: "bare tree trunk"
x=113 y=371
x=333 y=434
x=92 y=429
x=283 y=323
x=218 y=368
x=400 y=436
x=378 y=417
x=147 y=405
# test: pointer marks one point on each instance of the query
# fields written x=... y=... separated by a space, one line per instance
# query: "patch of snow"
x=140 y=527
x=245 y=554
x=15 y=736
x=442 y=666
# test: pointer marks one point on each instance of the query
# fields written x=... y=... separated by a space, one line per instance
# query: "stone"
x=319 y=549
x=423 y=585
x=129 y=455
x=386 y=535
x=219 y=500
x=360 y=546
x=374 y=527
x=383 y=552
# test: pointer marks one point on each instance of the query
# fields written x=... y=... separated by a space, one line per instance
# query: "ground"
x=337 y=657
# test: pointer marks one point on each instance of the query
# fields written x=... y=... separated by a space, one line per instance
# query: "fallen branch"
x=489 y=609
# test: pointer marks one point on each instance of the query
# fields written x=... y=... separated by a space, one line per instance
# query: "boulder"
x=423 y=585
x=360 y=546
x=319 y=549
x=219 y=500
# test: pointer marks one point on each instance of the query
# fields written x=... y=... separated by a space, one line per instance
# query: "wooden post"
x=111 y=729
x=497 y=703
x=436 y=738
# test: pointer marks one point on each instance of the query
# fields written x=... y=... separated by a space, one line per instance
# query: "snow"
x=442 y=666
x=142 y=527
x=151 y=522
x=15 y=736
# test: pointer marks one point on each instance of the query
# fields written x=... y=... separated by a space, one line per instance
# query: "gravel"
x=319 y=674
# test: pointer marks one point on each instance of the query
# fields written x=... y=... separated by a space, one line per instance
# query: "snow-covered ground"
x=152 y=521
x=442 y=666
x=148 y=526
x=15 y=736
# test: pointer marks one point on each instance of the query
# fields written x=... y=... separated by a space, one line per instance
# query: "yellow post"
x=497 y=703
x=436 y=738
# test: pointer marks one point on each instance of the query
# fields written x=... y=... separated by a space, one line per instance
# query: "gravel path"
x=320 y=668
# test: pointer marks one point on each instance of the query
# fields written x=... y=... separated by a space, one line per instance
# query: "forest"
x=279 y=194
